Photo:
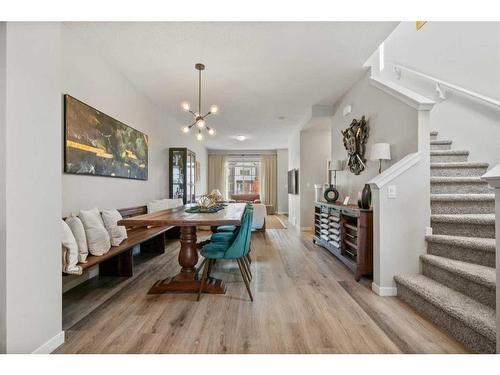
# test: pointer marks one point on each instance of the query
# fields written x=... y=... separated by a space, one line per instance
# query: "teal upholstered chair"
x=236 y=249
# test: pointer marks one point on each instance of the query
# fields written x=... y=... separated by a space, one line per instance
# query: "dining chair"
x=235 y=250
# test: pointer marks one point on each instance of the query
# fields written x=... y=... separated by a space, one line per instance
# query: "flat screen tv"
x=293 y=181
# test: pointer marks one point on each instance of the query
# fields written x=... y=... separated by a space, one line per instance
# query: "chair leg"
x=245 y=268
x=247 y=265
x=249 y=258
x=201 y=266
x=203 y=278
x=245 y=279
x=211 y=263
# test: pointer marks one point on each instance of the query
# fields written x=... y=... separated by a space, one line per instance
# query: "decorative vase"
x=366 y=197
x=331 y=194
x=206 y=201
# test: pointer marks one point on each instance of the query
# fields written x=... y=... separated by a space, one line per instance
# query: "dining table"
x=187 y=280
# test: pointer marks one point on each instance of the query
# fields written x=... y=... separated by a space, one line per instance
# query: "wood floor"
x=305 y=301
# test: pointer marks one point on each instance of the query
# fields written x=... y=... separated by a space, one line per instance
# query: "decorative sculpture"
x=206 y=201
x=355 y=137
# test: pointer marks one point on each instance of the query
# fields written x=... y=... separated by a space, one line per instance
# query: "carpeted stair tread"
x=473 y=314
x=462 y=197
x=441 y=142
x=460 y=164
x=455 y=179
x=449 y=152
x=475 y=219
x=477 y=243
x=476 y=273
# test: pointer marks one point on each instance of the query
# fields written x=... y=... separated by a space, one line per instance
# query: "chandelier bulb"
x=185 y=106
x=211 y=131
x=200 y=123
x=185 y=129
x=199 y=137
x=214 y=109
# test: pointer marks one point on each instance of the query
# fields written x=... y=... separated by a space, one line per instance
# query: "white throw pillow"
x=70 y=251
x=97 y=235
x=173 y=203
x=157 y=205
x=117 y=233
x=76 y=226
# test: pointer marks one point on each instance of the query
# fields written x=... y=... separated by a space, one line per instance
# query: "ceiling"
x=255 y=72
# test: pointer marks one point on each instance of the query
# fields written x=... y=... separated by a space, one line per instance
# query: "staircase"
x=456 y=289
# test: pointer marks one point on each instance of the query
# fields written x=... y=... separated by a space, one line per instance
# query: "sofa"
x=251 y=197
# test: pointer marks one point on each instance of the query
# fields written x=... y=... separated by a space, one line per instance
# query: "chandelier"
x=199 y=118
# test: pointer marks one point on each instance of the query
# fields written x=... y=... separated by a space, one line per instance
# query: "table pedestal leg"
x=186 y=281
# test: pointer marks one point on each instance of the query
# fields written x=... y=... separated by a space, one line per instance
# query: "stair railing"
x=440 y=85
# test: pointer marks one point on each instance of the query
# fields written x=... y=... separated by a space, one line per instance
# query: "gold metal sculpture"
x=206 y=201
x=355 y=137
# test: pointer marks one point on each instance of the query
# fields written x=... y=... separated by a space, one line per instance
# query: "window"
x=243 y=174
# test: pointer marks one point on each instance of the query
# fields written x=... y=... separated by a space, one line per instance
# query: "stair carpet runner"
x=456 y=289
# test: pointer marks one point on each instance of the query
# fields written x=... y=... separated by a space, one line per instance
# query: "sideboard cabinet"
x=347 y=232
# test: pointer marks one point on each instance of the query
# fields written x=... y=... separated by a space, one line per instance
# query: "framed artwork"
x=96 y=144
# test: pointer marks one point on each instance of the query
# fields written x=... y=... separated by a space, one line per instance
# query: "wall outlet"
x=392 y=192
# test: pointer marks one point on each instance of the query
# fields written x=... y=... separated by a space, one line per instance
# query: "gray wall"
x=33 y=187
x=3 y=249
x=390 y=121
x=92 y=80
x=315 y=150
x=282 y=184
x=465 y=54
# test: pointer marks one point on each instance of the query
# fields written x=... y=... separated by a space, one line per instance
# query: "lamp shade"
x=380 y=151
x=337 y=165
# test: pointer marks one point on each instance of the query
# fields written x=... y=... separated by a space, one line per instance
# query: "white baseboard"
x=282 y=213
x=385 y=291
x=51 y=345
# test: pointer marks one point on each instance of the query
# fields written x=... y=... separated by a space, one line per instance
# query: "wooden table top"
x=230 y=215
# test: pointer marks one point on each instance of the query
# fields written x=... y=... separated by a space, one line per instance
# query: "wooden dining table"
x=187 y=281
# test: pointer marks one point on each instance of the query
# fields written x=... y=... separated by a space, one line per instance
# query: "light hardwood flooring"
x=305 y=301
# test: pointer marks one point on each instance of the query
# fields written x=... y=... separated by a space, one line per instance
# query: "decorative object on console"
x=98 y=145
x=366 y=197
x=355 y=137
x=199 y=119
x=380 y=151
x=206 y=201
x=331 y=194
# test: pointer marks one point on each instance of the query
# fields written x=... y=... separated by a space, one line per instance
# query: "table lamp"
x=380 y=151
x=336 y=165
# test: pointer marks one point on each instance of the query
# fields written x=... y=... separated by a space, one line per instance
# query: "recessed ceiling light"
x=240 y=138
x=281 y=117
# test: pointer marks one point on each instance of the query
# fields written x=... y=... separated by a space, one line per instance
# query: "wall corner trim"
x=384 y=291
x=414 y=100
x=51 y=345
x=395 y=170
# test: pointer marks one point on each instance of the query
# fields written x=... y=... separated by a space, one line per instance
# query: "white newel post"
x=493 y=178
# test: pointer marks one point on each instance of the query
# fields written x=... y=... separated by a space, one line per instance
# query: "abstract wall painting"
x=97 y=144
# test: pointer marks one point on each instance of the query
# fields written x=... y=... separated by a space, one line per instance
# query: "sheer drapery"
x=217 y=174
x=268 y=180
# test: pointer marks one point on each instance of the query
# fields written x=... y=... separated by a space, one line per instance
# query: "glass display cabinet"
x=182 y=174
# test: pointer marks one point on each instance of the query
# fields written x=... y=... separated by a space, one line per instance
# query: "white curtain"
x=217 y=173
x=268 y=180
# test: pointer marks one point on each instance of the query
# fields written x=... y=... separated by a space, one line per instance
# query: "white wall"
x=315 y=150
x=389 y=119
x=294 y=162
x=282 y=184
x=89 y=78
x=466 y=54
x=3 y=249
x=33 y=187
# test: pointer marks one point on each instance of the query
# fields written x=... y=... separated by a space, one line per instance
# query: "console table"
x=347 y=232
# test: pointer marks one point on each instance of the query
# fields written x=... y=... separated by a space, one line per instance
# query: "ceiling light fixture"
x=199 y=120
x=240 y=138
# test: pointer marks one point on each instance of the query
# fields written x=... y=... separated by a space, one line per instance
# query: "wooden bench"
x=118 y=261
